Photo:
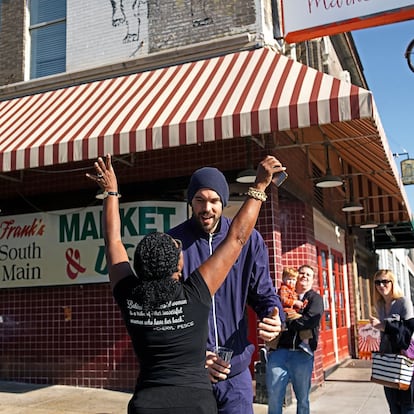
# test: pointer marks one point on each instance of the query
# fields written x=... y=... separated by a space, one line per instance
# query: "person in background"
x=289 y=362
x=248 y=282
x=166 y=316
x=391 y=308
x=292 y=306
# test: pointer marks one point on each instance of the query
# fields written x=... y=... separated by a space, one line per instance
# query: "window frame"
x=33 y=66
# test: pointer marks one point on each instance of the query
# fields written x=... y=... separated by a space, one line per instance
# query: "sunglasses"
x=382 y=282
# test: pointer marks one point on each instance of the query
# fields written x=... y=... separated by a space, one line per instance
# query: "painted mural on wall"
x=199 y=14
x=127 y=13
x=105 y=32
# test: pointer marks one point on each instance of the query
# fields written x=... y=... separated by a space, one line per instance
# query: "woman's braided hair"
x=155 y=260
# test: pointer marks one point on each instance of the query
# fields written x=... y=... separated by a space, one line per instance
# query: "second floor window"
x=48 y=37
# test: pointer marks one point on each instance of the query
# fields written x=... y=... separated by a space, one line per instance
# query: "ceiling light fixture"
x=351 y=205
x=369 y=223
x=329 y=180
x=246 y=176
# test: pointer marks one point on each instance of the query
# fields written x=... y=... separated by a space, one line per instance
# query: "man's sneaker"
x=306 y=348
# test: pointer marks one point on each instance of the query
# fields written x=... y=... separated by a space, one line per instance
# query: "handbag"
x=392 y=370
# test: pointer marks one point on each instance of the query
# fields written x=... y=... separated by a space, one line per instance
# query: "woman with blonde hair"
x=388 y=279
x=391 y=306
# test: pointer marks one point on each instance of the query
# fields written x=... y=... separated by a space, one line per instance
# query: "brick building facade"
x=73 y=334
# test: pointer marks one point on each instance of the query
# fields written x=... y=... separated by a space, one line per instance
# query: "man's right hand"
x=265 y=171
x=270 y=327
x=218 y=369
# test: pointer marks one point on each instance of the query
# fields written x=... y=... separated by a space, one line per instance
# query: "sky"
x=381 y=50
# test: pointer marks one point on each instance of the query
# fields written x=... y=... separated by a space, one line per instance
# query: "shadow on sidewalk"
x=19 y=387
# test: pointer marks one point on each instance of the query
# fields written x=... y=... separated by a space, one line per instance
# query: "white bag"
x=392 y=370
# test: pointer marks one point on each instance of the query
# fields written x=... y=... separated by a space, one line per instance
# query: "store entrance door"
x=334 y=334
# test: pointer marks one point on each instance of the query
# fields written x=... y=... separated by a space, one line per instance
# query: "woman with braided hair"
x=166 y=317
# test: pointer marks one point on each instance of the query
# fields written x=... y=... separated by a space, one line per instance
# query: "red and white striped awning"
x=235 y=95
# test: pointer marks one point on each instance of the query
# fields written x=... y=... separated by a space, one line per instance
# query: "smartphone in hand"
x=280 y=178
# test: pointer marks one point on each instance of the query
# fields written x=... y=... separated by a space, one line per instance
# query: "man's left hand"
x=217 y=368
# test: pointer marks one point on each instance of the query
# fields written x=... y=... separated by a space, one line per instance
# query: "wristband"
x=106 y=194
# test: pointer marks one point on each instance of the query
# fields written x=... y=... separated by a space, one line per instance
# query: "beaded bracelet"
x=257 y=194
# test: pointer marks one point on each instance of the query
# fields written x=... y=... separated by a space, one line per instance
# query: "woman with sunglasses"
x=166 y=317
x=391 y=306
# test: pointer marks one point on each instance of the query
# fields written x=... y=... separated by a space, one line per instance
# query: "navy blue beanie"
x=209 y=177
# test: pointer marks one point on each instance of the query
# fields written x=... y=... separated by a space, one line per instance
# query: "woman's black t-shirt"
x=170 y=342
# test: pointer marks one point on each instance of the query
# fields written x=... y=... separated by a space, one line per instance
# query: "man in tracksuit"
x=248 y=282
x=290 y=362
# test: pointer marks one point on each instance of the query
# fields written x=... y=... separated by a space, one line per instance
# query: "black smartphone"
x=280 y=178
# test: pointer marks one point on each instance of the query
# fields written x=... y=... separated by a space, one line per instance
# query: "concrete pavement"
x=347 y=390
x=18 y=398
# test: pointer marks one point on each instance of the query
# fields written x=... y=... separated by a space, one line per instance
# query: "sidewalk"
x=346 y=391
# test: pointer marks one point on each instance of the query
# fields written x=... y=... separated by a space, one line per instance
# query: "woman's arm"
x=116 y=255
x=214 y=270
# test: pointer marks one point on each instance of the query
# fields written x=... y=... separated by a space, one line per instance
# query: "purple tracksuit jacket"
x=248 y=281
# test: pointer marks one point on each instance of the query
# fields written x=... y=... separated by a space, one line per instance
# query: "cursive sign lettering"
x=332 y=4
x=8 y=230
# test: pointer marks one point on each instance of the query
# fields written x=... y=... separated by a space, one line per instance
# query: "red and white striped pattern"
x=236 y=95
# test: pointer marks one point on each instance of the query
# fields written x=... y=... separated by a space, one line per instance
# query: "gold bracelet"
x=257 y=194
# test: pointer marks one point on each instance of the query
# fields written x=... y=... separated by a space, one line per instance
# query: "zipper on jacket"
x=213 y=300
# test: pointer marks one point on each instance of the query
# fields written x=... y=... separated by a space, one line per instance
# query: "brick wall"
x=174 y=24
x=95 y=36
x=70 y=335
x=12 y=15
x=73 y=335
